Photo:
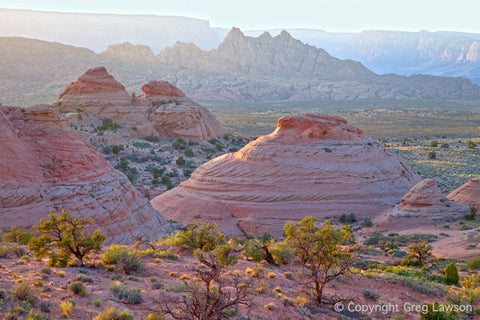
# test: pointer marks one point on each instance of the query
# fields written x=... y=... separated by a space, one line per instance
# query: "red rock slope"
x=468 y=194
x=310 y=165
x=426 y=200
x=45 y=167
x=161 y=110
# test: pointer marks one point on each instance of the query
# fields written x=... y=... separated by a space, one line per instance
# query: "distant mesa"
x=468 y=194
x=310 y=165
x=45 y=167
x=162 y=109
x=426 y=200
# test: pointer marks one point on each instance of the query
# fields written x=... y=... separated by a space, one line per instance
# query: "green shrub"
x=3 y=252
x=45 y=306
x=371 y=294
x=77 y=287
x=434 y=313
x=123 y=258
x=432 y=155
x=348 y=219
x=25 y=292
x=451 y=274
x=62 y=236
x=83 y=278
x=157 y=285
x=152 y=138
x=288 y=275
x=97 y=303
x=46 y=271
x=188 y=152
x=130 y=296
x=18 y=235
x=434 y=143
x=201 y=235
x=180 y=161
x=114 y=314
x=107 y=124
x=117 y=148
x=474 y=265
x=471 y=214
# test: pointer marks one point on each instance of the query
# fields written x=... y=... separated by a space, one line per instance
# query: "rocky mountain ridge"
x=241 y=69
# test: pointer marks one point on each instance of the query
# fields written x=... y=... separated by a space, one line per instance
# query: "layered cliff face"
x=468 y=194
x=426 y=200
x=127 y=51
x=45 y=167
x=310 y=165
x=162 y=109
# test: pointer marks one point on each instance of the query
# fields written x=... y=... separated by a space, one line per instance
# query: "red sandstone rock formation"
x=162 y=109
x=96 y=91
x=45 y=167
x=468 y=194
x=425 y=200
x=310 y=165
x=161 y=89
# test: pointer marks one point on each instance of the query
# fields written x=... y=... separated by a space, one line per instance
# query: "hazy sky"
x=329 y=15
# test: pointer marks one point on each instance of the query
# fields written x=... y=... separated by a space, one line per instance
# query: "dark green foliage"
x=117 y=148
x=62 y=236
x=257 y=249
x=371 y=294
x=348 y=219
x=434 y=313
x=180 y=161
x=130 y=296
x=123 y=166
x=377 y=239
x=201 y=235
x=474 y=265
x=188 y=152
x=451 y=274
x=83 y=278
x=77 y=287
x=152 y=138
x=320 y=250
x=367 y=222
x=432 y=155
x=142 y=145
x=418 y=254
x=179 y=144
x=121 y=256
x=18 y=235
x=25 y=292
x=434 y=143
x=45 y=306
x=107 y=124
x=472 y=213
x=219 y=147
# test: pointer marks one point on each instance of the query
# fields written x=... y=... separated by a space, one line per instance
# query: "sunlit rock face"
x=426 y=200
x=310 y=165
x=468 y=194
x=161 y=110
x=45 y=166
